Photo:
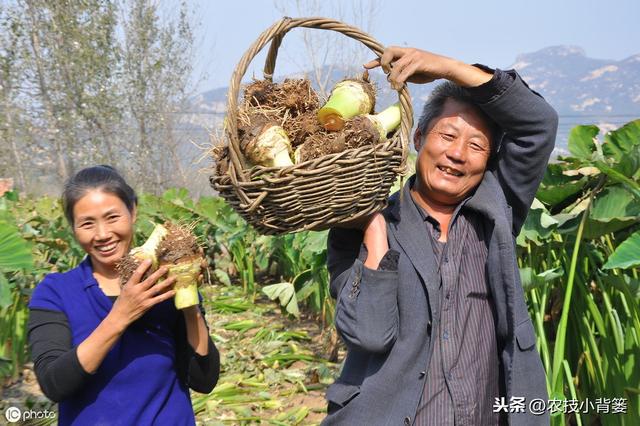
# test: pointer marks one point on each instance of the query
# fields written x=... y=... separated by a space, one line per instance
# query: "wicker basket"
x=319 y=193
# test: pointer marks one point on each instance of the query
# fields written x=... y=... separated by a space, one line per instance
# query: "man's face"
x=453 y=155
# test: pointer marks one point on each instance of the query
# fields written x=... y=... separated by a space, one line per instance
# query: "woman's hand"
x=406 y=64
x=137 y=297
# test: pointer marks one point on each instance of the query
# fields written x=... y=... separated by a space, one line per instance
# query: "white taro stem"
x=186 y=285
x=149 y=249
x=348 y=99
x=387 y=121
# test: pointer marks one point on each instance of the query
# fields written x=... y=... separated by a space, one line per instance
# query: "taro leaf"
x=538 y=225
x=286 y=294
x=5 y=292
x=581 y=141
x=531 y=280
x=556 y=186
x=48 y=208
x=615 y=208
x=617 y=176
x=626 y=255
x=15 y=252
x=179 y=197
x=210 y=208
x=620 y=142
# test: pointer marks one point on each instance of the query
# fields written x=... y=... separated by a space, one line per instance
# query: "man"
x=429 y=300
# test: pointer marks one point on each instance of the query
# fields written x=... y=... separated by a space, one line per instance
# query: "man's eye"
x=113 y=217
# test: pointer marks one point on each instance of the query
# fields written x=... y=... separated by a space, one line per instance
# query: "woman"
x=110 y=354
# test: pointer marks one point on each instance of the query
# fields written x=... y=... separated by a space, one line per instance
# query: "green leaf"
x=286 y=294
x=15 y=252
x=556 y=186
x=532 y=280
x=581 y=141
x=626 y=255
x=5 y=292
x=620 y=142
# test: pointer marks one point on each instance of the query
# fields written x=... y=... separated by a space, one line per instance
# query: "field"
x=271 y=315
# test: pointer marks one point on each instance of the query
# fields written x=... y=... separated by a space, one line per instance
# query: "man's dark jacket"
x=386 y=317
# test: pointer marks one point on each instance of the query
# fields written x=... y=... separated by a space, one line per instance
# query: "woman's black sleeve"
x=55 y=361
x=199 y=372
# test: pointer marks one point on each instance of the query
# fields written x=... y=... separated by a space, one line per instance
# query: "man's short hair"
x=435 y=104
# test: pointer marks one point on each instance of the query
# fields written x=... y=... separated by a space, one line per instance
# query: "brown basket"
x=318 y=193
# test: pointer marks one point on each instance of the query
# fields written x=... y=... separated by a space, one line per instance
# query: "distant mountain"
x=583 y=90
x=578 y=85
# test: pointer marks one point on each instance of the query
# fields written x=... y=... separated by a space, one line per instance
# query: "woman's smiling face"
x=103 y=226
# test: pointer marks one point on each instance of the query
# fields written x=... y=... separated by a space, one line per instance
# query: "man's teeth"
x=107 y=247
x=450 y=171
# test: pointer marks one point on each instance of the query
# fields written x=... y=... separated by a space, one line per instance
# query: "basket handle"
x=275 y=34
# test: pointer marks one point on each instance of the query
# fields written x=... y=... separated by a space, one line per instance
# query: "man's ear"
x=417 y=140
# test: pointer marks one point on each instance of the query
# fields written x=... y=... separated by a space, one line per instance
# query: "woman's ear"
x=134 y=214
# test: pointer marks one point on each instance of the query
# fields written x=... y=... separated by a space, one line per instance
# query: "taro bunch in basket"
x=282 y=124
x=175 y=246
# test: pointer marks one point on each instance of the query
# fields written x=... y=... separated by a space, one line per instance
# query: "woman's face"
x=103 y=226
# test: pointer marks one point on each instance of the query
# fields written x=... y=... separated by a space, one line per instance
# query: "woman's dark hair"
x=104 y=178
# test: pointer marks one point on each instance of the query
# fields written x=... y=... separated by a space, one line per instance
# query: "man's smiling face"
x=453 y=155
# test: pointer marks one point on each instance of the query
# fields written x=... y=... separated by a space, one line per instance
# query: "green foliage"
x=579 y=251
x=626 y=255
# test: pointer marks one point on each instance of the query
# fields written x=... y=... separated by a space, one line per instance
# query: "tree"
x=157 y=63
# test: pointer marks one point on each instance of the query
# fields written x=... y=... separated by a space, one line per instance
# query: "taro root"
x=274 y=116
x=294 y=96
x=174 y=246
x=264 y=142
x=320 y=144
x=348 y=98
x=359 y=131
x=371 y=129
x=179 y=250
x=300 y=127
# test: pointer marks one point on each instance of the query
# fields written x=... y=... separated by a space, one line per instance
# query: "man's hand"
x=375 y=239
x=406 y=64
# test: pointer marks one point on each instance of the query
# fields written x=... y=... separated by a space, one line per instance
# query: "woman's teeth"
x=107 y=248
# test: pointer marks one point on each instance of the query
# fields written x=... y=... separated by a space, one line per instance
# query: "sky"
x=492 y=32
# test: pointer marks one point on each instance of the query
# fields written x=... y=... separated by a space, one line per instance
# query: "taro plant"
x=579 y=257
x=300 y=261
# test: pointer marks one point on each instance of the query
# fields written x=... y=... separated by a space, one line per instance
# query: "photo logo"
x=13 y=414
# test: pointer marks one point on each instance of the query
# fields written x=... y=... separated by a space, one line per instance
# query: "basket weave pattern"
x=318 y=193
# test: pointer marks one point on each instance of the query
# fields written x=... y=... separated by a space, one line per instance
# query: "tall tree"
x=156 y=68
x=11 y=68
